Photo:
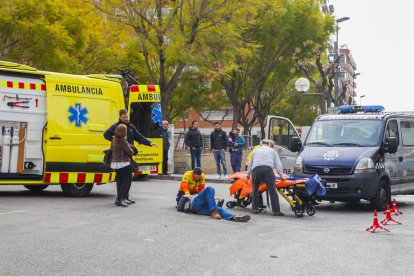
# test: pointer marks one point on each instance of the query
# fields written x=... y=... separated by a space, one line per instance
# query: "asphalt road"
x=49 y=234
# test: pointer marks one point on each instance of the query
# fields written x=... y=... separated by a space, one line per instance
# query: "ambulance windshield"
x=146 y=117
x=346 y=133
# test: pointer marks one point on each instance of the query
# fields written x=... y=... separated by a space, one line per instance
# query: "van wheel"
x=36 y=188
x=383 y=196
x=139 y=177
x=76 y=190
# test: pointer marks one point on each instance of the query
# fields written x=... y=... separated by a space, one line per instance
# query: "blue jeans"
x=195 y=157
x=236 y=159
x=220 y=155
x=205 y=203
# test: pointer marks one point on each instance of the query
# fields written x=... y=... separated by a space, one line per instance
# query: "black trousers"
x=123 y=182
x=265 y=174
x=165 y=161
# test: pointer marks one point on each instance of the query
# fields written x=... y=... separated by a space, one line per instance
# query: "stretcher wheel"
x=244 y=203
x=230 y=204
x=299 y=211
x=310 y=210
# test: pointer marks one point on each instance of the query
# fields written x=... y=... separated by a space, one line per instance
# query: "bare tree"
x=325 y=83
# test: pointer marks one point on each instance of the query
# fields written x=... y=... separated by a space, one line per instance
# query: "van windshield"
x=345 y=133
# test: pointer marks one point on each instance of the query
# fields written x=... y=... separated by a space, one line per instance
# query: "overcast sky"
x=380 y=35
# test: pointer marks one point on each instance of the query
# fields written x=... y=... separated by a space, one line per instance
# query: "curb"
x=178 y=178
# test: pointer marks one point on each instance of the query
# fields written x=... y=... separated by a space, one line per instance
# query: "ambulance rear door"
x=22 y=119
x=145 y=115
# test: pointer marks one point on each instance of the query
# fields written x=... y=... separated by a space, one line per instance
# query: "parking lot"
x=47 y=233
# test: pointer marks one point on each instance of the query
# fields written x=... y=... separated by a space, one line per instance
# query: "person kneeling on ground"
x=193 y=182
x=204 y=203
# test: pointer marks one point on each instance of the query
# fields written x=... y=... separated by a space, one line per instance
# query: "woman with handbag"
x=121 y=163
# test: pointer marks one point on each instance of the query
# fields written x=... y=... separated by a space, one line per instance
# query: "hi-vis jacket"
x=190 y=186
x=250 y=154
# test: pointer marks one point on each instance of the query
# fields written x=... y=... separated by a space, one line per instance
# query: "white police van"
x=360 y=153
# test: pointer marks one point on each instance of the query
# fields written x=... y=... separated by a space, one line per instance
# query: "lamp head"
x=342 y=19
x=302 y=85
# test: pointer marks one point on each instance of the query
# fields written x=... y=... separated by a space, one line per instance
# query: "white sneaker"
x=226 y=176
x=218 y=176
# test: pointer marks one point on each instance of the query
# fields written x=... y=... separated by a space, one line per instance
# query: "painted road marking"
x=12 y=212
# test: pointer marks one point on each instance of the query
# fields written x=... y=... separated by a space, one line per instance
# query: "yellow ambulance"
x=52 y=125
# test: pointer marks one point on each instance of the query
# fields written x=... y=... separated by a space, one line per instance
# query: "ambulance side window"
x=392 y=131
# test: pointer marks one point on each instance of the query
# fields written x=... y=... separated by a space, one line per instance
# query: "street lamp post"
x=360 y=97
x=302 y=85
x=336 y=49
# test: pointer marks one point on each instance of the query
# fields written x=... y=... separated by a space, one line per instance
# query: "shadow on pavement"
x=363 y=206
x=49 y=194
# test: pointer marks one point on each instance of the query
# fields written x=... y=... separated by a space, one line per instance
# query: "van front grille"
x=332 y=170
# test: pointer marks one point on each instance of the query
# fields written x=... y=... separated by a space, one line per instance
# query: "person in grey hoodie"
x=194 y=141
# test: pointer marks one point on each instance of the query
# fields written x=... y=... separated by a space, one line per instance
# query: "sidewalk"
x=210 y=178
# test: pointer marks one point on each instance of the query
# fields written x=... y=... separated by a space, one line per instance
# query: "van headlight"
x=365 y=164
x=298 y=164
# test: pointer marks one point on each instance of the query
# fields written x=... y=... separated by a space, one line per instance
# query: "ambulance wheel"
x=310 y=210
x=383 y=196
x=139 y=177
x=76 y=190
x=299 y=211
x=230 y=204
x=36 y=188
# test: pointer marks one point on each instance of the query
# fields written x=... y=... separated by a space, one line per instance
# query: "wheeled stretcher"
x=291 y=189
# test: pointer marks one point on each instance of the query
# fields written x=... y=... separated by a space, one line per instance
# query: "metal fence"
x=179 y=139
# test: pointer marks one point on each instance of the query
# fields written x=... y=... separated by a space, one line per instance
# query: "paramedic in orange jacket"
x=193 y=182
x=203 y=201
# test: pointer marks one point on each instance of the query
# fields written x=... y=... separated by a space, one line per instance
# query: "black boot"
x=120 y=203
x=129 y=201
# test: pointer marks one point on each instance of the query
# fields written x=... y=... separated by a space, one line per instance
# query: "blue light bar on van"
x=346 y=109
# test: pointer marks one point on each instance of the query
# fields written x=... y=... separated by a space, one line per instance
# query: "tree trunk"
x=236 y=111
x=323 y=104
x=164 y=104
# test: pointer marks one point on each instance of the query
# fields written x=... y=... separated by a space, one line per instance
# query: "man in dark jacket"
x=194 y=141
x=218 y=142
x=132 y=135
x=165 y=147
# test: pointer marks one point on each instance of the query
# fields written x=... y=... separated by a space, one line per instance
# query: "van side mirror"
x=391 y=146
x=295 y=144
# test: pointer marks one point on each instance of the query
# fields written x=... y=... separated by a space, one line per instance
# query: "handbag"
x=134 y=165
x=107 y=156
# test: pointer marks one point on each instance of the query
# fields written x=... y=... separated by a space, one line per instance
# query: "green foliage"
x=260 y=78
x=194 y=92
x=58 y=36
x=296 y=107
x=203 y=53
x=171 y=35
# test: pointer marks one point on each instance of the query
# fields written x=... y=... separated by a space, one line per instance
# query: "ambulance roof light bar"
x=349 y=109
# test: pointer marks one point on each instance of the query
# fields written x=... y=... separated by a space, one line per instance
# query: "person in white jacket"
x=261 y=165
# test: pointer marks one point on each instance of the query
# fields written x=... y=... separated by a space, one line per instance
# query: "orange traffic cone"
x=394 y=209
x=388 y=217
x=375 y=225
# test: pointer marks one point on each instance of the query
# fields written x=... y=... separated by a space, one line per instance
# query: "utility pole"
x=336 y=49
